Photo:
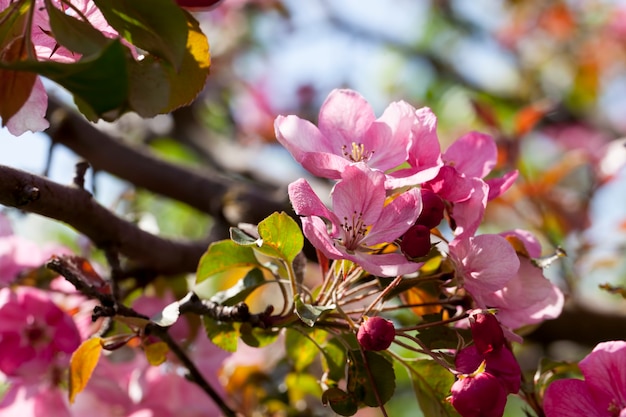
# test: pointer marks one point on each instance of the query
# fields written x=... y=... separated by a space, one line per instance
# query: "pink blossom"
x=603 y=391
x=34 y=400
x=348 y=132
x=485 y=263
x=360 y=221
x=35 y=334
x=529 y=297
x=460 y=181
x=479 y=395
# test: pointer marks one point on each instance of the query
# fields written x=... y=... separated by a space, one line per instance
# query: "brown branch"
x=210 y=192
x=77 y=208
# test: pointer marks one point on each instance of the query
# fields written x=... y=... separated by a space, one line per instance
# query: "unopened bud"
x=416 y=242
x=479 y=395
x=376 y=333
x=486 y=332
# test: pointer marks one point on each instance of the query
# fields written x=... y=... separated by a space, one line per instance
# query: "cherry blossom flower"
x=361 y=220
x=35 y=334
x=485 y=264
x=603 y=391
x=460 y=181
x=348 y=132
x=529 y=297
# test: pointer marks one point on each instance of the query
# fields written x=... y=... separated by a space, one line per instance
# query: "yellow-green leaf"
x=82 y=364
x=156 y=353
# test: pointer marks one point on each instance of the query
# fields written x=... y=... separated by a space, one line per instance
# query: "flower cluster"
x=393 y=187
x=489 y=371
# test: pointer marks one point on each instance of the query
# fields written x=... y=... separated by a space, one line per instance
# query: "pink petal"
x=306 y=203
x=396 y=218
x=31 y=116
x=571 y=398
x=344 y=118
x=389 y=137
x=473 y=154
x=300 y=136
x=468 y=214
x=316 y=231
x=531 y=244
x=360 y=192
x=605 y=373
x=324 y=165
x=385 y=265
x=497 y=186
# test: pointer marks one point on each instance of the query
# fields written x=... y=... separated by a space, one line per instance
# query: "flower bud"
x=376 y=333
x=198 y=5
x=486 y=332
x=416 y=242
x=479 y=395
x=432 y=209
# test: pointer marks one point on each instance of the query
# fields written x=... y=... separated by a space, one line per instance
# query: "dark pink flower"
x=35 y=334
x=603 y=391
x=479 y=395
x=360 y=220
x=376 y=333
x=486 y=332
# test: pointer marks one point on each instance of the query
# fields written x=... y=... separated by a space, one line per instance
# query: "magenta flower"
x=361 y=220
x=460 y=181
x=479 y=395
x=603 y=391
x=348 y=132
x=35 y=334
x=529 y=297
x=485 y=263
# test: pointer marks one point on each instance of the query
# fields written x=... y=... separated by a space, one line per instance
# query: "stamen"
x=358 y=152
x=355 y=231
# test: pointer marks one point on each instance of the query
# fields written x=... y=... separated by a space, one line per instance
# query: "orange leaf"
x=15 y=86
x=82 y=364
x=529 y=116
x=418 y=296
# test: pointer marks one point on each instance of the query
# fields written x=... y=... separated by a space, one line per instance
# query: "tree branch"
x=77 y=208
x=210 y=192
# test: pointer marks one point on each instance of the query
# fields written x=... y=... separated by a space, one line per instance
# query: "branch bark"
x=210 y=192
x=76 y=207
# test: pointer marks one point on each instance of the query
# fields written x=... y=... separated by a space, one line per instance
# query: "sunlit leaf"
x=82 y=364
x=156 y=26
x=431 y=383
x=422 y=295
x=256 y=336
x=303 y=348
x=309 y=313
x=156 y=353
x=223 y=335
x=224 y=255
x=281 y=236
x=299 y=385
x=237 y=293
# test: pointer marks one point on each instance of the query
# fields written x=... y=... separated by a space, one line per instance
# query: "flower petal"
x=31 y=117
x=571 y=398
x=473 y=154
x=360 y=192
x=344 y=118
x=396 y=218
x=604 y=371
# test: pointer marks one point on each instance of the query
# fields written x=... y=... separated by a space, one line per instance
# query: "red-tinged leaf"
x=529 y=116
x=82 y=364
x=486 y=114
x=15 y=86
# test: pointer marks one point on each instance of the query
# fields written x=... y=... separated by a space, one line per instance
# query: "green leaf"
x=334 y=360
x=156 y=26
x=76 y=35
x=302 y=348
x=99 y=81
x=13 y=21
x=431 y=384
x=156 y=87
x=340 y=401
x=371 y=379
x=256 y=336
x=281 y=236
x=224 y=255
x=299 y=385
x=223 y=335
x=242 y=238
x=309 y=313
x=237 y=293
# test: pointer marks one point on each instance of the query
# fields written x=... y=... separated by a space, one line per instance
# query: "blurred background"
x=546 y=78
